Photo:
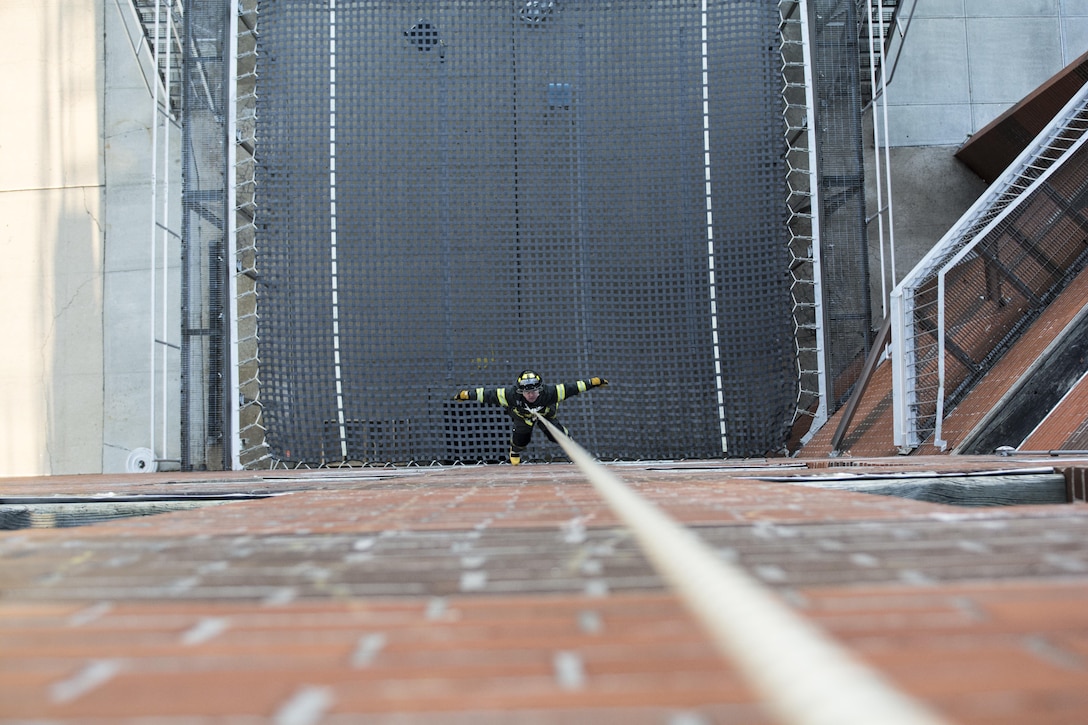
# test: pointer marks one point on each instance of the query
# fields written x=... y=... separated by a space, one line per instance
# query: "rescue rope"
x=801 y=674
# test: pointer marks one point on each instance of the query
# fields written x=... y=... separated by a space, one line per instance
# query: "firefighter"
x=527 y=396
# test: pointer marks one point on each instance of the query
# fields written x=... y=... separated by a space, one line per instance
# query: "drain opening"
x=1019 y=489
x=25 y=512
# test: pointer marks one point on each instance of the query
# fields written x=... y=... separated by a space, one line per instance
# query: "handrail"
x=801 y=674
x=883 y=337
x=1036 y=163
x=888 y=44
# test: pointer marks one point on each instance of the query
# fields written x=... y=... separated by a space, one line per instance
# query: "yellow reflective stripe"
x=561 y=391
x=502 y=397
x=479 y=395
x=581 y=386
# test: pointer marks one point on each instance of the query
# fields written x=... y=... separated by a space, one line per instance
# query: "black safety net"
x=450 y=192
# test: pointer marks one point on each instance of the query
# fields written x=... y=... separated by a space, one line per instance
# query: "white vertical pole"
x=887 y=152
x=154 y=229
x=164 y=229
x=878 y=176
x=881 y=145
x=937 y=426
x=235 y=393
x=900 y=407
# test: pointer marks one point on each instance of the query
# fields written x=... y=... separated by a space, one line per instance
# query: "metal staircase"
x=876 y=21
x=161 y=21
x=990 y=275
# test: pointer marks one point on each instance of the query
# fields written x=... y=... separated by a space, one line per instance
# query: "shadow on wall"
x=70 y=219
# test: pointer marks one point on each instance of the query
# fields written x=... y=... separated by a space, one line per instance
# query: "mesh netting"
x=845 y=252
x=203 y=296
x=450 y=192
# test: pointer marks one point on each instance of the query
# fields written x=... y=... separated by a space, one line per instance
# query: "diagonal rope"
x=801 y=674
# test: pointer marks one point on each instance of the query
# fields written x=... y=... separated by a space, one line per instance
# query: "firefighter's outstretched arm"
x=568 y=390
x=494 y=396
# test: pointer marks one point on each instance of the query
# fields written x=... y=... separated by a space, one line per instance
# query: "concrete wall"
x=76 y=218
x=51 y=237
x=959 y=65
x=140 y=323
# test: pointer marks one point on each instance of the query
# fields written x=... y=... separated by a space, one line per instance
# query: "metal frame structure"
x=243 y=429
x=918 y=410
x=918 y=403
x=196 y=92
x=878 y=80
x=160 y=21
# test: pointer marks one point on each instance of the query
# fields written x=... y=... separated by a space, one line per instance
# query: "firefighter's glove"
x=461 y=395
x=598 y=382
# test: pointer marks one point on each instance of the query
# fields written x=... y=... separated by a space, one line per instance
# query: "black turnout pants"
x=522 y=432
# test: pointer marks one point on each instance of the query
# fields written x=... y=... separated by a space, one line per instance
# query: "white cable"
x=712 y=282
x=802 y=676
x=334 y=272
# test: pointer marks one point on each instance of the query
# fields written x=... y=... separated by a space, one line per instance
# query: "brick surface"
x=498 y=594
x=1066 y=426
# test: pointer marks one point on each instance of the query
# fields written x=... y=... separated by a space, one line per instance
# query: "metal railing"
x=876 y=26
x=160 y=20
x=159 y=55
x=969 y=297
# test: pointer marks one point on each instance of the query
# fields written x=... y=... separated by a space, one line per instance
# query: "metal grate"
x=204 y=292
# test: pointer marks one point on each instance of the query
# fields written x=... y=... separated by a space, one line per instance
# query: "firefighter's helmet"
x=529 y=380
